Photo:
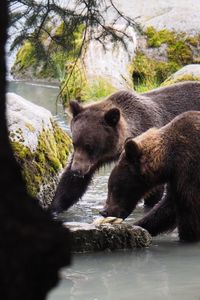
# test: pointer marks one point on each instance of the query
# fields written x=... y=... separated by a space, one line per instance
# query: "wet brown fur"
x=100 y=129
x=169 y=155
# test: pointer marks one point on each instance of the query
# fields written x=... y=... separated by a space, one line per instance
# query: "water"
x=166 y=270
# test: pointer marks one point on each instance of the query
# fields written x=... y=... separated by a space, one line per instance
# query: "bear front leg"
x=69 y=190
x=154 y=197
x=161 y=218
x=188 y=217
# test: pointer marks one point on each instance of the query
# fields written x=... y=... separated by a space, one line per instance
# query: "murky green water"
x=166 y=270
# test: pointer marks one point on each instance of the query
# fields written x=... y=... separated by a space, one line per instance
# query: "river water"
x=166 y=270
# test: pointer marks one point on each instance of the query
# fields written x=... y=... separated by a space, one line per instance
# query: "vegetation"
x=50 y=156
x=80 y=89
x=59 y=51
x=52 y=64
x=99 y=88
x=148 y=72
x=185 y=77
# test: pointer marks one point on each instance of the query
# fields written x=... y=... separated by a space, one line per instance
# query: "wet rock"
x=40 y=146
x=91 y=237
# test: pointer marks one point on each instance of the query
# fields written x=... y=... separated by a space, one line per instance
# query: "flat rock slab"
x=90 y=237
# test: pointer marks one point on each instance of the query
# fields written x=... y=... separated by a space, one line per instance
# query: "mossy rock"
x=41 y=148
x=49 y=62
x=157 y=38
x=148 y=73
x=151 y=65
x=187 y=73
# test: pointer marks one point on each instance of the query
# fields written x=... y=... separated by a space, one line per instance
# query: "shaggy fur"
x=169 y=155
x=99 y=131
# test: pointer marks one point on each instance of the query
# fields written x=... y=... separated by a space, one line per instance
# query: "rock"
x=187 y=73
x=40 y=146
x=181 y=16
x=112 y=68
x=112 y=64
x=88 y=237
x=179 y=19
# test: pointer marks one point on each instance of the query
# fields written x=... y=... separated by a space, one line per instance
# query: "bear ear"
x=75 y=108
x=112 y=117
x=132 y=151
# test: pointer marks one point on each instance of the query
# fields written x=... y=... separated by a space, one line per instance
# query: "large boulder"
x=91 y=237
x=112 y=64
x=173 y=43
x=173 y=16
x=40 y=146
x=187 y=73
x=181 y=16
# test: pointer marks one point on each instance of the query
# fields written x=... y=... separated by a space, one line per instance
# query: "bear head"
x=96 y=135
x=140 y=169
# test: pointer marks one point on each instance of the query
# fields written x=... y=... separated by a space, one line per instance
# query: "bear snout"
x=103 y=213
x=80 y=168
x=81 y=164
x=78 y=173
x=118 y=213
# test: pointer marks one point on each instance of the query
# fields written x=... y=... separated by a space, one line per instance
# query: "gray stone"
x=193 y=70
x=181 y=16
x=89 y=237
x=187 y=73
x=40 y=146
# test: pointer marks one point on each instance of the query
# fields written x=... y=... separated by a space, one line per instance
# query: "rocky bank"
x=40 y=146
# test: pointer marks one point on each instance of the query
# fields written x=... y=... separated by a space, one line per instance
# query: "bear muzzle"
x=80 y=166
x=116 y=212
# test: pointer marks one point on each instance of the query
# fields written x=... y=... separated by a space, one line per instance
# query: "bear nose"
x=104 y=213
x=77 y=173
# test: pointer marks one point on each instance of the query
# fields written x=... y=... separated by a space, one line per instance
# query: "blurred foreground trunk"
x=32 y=246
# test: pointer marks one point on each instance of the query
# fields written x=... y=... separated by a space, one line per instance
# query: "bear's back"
x=182 y=136
x=176 y=99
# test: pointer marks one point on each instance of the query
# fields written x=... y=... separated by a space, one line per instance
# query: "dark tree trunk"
x=32 y=246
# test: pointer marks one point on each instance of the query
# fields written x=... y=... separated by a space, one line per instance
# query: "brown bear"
x=100 y=129
x=168 y=155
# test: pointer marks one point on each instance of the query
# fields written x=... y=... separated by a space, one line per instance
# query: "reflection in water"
x=166 y=270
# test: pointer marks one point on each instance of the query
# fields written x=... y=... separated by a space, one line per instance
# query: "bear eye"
x=89 y=149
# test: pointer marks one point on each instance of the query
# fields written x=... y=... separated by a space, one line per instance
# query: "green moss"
x=30 y=127
x=63 y=142
x=148 y=73
x=26 y=56
x=157 y=38
x=77 y=87
x=179 y=46
x=58 y=57
x=49 y=157
x=180 y=52
x=74 y=84
x=185 y=77
x=193 y=40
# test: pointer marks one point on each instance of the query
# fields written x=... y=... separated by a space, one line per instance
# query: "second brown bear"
x=169 y=155
x=100 y=129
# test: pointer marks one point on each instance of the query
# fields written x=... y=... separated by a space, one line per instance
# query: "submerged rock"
x=40 y=146
x=91 y=237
